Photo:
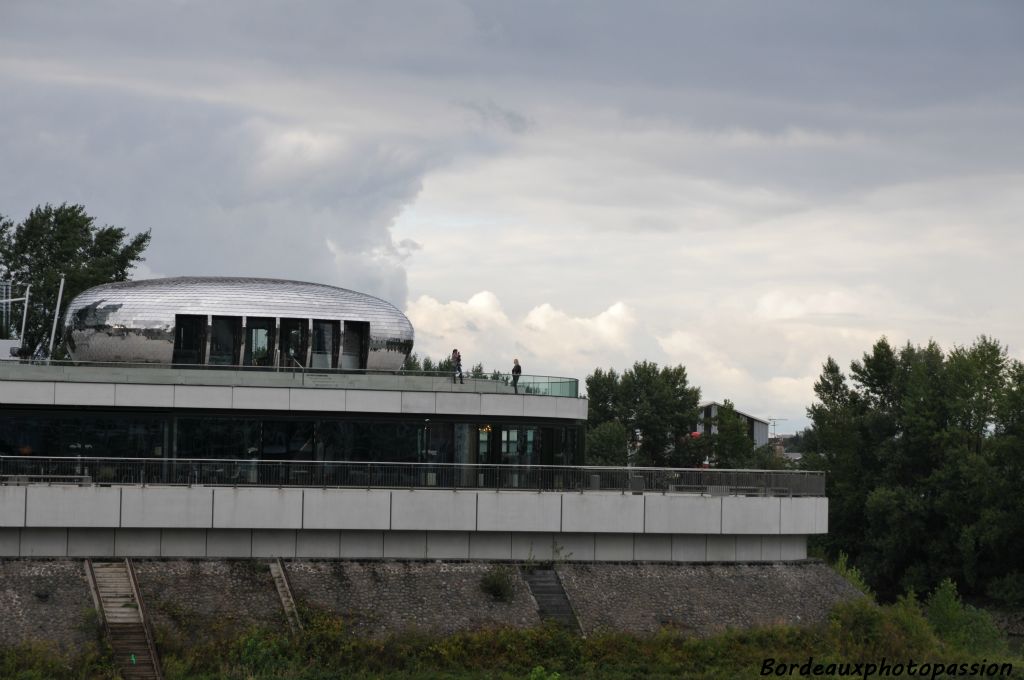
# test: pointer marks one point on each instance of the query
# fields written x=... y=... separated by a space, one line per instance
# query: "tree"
x=657 y=407
x=63 y=240
x=924 y=452
x=608 y=444
x=731 y=447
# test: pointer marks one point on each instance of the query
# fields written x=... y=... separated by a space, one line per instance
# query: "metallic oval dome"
x=135 y=321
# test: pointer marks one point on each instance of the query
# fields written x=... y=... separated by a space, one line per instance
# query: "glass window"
x=225 y=339
x=259 y=342
x=325 y=339
x=218 y=437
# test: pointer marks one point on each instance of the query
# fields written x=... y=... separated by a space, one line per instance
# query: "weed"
x=497 y=582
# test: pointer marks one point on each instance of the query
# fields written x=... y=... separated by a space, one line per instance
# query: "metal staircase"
x=552 y=602
x=119 y=603
x=284 y=591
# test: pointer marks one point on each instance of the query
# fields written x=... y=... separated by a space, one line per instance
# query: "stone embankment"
x=193 y=599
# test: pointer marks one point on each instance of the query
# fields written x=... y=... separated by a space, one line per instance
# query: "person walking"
x=516 y=371
x=457 y=366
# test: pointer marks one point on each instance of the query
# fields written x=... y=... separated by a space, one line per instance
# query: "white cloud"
x=546 y=340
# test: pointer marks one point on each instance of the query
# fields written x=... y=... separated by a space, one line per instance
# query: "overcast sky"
x=741 y=187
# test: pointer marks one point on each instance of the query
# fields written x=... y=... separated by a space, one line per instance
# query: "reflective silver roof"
x=143 y=313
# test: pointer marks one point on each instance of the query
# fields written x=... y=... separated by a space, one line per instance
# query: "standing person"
x=516 y=370
x=457 y=366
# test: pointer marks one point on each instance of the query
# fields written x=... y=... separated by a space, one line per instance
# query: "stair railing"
x=137 y=592
x=94 y=590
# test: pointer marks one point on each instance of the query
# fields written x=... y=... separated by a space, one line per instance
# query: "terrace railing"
x=323 y=474
x=294 y=375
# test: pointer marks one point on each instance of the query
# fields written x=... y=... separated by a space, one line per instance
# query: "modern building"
x=236 y=322
x=757 y=428
x=260 y=418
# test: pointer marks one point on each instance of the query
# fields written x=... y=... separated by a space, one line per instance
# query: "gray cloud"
x=805 y=173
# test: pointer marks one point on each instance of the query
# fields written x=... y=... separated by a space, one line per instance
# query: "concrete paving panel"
x=202 y=396
x=568 y=407
x=652 y=547
x=613 y=547
x=12 y=506
x=229 y=543
x=540 y=407
x=44 y=543
x=22 y=392
x=689 y=548
x=273 y=543
x=362 y=545
x=794 y=547
x=447 y=545
x=137 y=543
x=771 y=548
x=458 y=403
x=750 y=515
x=73 y=506
x=318 y=544
x=418 y=402
x=821 y=516
x=603 y=512
x=83 y=394
x=317 y=400
x=748 y=549
x=183 y=543
x=257 y=508
x=172 y=507
x=373 y=401
x=411 y=545
x=90 y=542
x=519 y=511
x=150 y=396
x=721 y=548
x=346 y=509
x=490 y=545
x=425 y=510
x=682 y=514
x=797 y=515
x=574 y=547
x=10 y=542
x=501 y=405
x=532 y=546
x=260 y=398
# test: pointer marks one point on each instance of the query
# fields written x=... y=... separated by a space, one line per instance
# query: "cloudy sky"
x=741 y=187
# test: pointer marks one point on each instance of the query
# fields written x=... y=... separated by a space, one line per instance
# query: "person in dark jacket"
x=516 y=371
x=457 y=366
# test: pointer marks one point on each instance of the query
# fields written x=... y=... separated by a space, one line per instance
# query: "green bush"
x=497 y=583
x=962 y=626
x=1008 y=589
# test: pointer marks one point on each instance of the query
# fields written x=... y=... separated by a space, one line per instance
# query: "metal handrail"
x=370 y=474
x=137 y=592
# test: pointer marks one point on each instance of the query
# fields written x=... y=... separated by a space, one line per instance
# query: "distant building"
x=757 y=428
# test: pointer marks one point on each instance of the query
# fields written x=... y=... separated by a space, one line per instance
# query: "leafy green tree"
x=64 y=239
x=608 y=444
x=926 y=461
x=732 y=446
x=657 y=407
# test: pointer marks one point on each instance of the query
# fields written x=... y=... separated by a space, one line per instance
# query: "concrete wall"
x=127 y=395
x=197 y=521
x=601 y=512
x=396 y=544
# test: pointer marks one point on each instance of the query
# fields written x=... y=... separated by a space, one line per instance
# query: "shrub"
x=852 y=574
x=1008 y=589
x=497 y=583
x=960 y=625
